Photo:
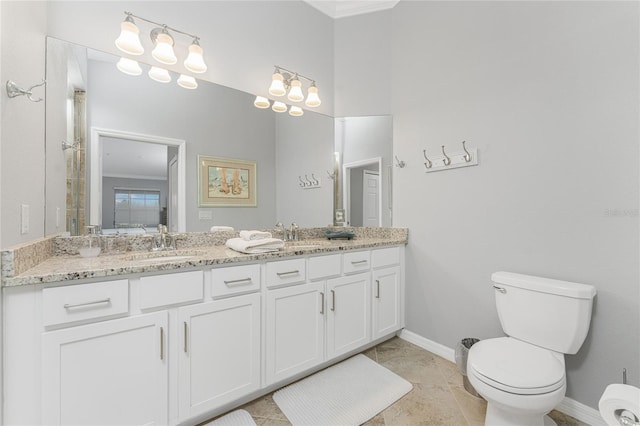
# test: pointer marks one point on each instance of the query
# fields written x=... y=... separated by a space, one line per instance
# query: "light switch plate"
x=24 y=218
x=205 y=215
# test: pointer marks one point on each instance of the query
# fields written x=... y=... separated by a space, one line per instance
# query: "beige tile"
x=376 y=421
x=416 y=368
x=264 y=408
x=425 y=405
x=563 y=420
x=271 y=422
x=371 y=353
x=474 y=409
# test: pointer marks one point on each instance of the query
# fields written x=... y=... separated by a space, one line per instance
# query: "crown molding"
x=343 y=8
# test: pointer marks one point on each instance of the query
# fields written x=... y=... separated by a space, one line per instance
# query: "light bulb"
x=195 y=60
x=296 y=111
x=279 y=106
x=163 y=52
x=187 y=82
x=277 y=86
x=129 y=66
x=313 y=100
x=159 y=74
x=129 y=40
x=295 y=93
x=261 y=102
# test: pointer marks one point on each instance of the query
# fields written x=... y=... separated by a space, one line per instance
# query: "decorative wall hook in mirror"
x=66 y=145
x=13 y=90
x=400 y=163
x=309 y=182
x=452 y=160
x=331 y=175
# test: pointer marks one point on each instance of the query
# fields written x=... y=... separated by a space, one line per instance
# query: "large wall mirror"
x=115 y=140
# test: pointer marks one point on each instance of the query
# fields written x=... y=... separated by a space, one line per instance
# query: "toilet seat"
x=516 y=367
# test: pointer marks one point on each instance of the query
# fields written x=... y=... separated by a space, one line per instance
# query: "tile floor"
x=438 y=396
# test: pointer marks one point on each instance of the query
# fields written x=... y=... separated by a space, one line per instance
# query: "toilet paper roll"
x=620 y=400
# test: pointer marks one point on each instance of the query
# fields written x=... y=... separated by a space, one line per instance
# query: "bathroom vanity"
x=178 y=339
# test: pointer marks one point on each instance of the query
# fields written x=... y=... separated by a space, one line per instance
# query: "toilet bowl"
x=521 y=382
x=522 y=376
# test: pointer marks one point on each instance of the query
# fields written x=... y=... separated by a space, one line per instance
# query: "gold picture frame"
x=226 y=182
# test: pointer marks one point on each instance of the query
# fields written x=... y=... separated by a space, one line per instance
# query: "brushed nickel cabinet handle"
x=94 y=302
x=161 y=344
x=322 y=303
x=280 y=274
x=185 y=337
x=333 y=300
x=237 y=282
x=377 y=289
x=358 y=262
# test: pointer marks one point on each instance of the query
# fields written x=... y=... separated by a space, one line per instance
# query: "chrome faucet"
x=167 y=242
x=293 y=232
x=285 y=234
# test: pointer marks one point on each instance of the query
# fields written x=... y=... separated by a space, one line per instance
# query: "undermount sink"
x=164 y=256
x=307 y=244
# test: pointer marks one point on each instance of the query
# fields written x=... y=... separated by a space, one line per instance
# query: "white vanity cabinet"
x=219 y=353
x=387 y=303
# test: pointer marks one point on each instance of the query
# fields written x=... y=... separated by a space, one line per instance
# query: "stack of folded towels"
x=255 y=242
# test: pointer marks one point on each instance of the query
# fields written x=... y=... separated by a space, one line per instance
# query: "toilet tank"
x=549 y=313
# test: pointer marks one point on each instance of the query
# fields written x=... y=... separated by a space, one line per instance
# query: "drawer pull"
x=322 y=303
x=280 y=274
x=237 y=282
x=377 y=289
x=161 y=344
x=358 y=262
x=95 y=302
x=186 y=330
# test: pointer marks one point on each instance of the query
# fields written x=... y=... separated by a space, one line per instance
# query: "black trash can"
x=462 y=352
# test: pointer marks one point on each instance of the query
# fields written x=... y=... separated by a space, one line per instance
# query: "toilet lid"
x=516 y=367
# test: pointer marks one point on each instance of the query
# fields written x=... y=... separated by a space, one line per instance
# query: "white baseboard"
x=568 y=406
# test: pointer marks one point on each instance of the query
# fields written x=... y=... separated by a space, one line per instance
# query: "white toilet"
x=522 y=376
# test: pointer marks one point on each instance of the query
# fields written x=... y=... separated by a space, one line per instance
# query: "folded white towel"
x=255 y=235
x=216 y=228
x=258 y=246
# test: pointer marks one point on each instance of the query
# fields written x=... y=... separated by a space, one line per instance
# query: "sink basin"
x=164 y=256
x=307 y=244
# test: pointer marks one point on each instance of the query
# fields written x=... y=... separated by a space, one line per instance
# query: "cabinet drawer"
x=385 y=257
x=81 y=302
x=235 y=280
x=171 y=289
x=324 y=266
x=286 y=272
x=356 y=261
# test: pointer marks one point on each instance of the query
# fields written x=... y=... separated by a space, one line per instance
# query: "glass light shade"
x=279 y=106
x=163 y=52
x=295 y=93
x=313 y=100
x=187 y=82
x=129 y=66
x=129 y=40
x=296 y=111
x=195 y=60
x=277 y=86
x=261 y=102
x=159 y=74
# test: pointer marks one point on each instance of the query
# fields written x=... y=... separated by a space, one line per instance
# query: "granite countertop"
x=73 y=267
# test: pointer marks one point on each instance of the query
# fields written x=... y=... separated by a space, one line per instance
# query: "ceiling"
x=343 y=8
x=133 y=160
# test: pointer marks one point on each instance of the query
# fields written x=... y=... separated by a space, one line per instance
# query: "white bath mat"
x=348 y=393
x=234 y=418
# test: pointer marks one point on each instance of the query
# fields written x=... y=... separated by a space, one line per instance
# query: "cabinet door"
x=109 y=373
x=348 y=313
x=219 y=353
x=295 y=330
x=386 y=301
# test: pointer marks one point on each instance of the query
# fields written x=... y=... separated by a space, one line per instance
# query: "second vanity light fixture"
x=283 y=80
x=129 y=42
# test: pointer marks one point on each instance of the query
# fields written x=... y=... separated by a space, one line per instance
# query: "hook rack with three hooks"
x=450 y=160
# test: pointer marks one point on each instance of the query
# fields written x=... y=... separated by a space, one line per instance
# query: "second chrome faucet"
x=288 y=235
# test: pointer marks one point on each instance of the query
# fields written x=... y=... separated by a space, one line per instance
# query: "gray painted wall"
x=548 y=93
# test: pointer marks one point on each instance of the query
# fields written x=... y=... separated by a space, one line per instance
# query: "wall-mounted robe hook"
x=400 y=163
x=467 y=155
x=314 y=180
x=13 y=90
x=446 y=160
x=427 y=163
x=302 y=184
x=66 y=145
x=331 y=176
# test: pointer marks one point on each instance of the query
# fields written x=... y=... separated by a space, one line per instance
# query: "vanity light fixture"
x=261 y=102
x=283 y=79
x=296 y=111
x=159 y=74
x=187 y=81
x=129 y=66
x=279 y=106
x=163 y=40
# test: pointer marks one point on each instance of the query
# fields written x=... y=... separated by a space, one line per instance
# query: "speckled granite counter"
x=62 y=266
